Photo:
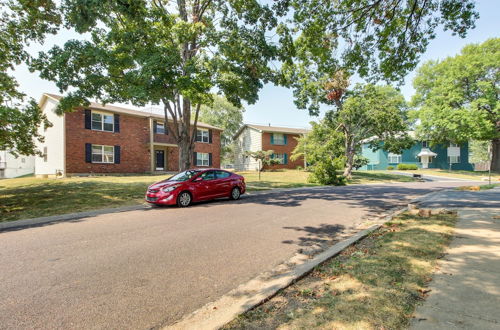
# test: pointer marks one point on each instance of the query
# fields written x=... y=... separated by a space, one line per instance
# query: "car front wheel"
x=184 y=199
x=235 y=193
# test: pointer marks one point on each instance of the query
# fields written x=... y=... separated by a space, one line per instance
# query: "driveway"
x=147 y=268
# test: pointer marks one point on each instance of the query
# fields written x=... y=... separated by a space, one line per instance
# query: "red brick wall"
x=213 y=148
x=288 y=148
x=165 y=138
x=133 y=140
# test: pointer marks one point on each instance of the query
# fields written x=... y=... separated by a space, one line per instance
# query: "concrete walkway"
x=465 y=290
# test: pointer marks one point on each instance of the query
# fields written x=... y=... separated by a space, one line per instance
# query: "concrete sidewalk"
x=465 y=290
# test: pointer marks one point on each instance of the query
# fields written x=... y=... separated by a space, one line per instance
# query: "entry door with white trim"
x=160 y=160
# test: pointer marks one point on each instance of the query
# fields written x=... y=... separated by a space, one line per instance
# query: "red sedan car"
x=194 y=186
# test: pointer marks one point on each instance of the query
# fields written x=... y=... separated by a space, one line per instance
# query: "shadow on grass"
x=374 y=284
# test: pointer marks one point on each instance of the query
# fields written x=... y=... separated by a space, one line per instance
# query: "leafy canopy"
x=22 y=22
x=456 y=99
x=159 y=52
x=370 y=114
x=374 y=39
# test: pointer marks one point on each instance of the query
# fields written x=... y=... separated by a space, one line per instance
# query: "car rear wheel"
x=235 y=193
x=184 y=199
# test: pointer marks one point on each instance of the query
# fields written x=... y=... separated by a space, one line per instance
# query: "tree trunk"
x=349 y=164
x=495 y=155
x=185 y=139
x=350 y=152
x=185 y=154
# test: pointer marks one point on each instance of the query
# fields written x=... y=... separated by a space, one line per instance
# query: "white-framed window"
x=280 y=157
x=202 y=135
x=202 y=159
x=454 y=145
x=279 y=138
x=103 y=154
x=453 y=159
x=394 y=158
x=160 y=127
x=45 y=154
x=425 y=144
x=102 y=122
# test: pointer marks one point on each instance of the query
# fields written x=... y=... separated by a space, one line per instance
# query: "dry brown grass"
x=374 y=284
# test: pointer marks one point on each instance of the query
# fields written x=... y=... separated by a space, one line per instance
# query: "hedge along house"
x=110 y=139
x=282 y=140
x=422 y=154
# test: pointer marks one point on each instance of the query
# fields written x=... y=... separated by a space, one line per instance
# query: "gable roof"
x=121 y=110
x=273 y=129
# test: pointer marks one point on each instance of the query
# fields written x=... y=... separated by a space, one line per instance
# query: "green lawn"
x=374 y=284
x=295 y=178
x=29 y=197
x=22 y=198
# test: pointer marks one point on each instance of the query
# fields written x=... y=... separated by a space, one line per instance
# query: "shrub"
x=390 y=168
x=326 y=173
x=299 y=168
x=405 y=167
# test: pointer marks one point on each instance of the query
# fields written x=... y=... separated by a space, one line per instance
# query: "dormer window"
x=102 y=122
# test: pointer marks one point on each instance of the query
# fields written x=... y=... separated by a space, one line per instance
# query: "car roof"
x=210 y=169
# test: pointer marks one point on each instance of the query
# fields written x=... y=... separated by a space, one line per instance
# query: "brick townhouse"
x=109 y=139
x=282 y=140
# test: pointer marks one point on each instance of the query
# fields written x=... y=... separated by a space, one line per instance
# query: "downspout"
x=151 y=145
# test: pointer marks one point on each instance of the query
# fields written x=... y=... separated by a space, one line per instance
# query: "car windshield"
x=184 y=176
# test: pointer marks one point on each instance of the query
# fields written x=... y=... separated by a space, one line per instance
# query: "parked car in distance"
x=196 y=185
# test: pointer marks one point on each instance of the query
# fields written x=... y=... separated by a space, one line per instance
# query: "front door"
x=425 y=161
x=160 y=160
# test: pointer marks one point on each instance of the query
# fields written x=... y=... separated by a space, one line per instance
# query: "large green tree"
x=21 y=23
x=368 y=113
x=374 y=39
x=172 y=53
x=223 y=114
x=457 y=99
x=176 y=53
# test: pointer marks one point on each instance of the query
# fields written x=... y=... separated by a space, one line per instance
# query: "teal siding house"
x=453 y=156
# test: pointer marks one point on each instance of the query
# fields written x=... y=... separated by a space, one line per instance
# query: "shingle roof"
x=279 y=129
x=113 y=108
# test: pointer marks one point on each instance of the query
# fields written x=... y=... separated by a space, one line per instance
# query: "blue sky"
x=275 y=105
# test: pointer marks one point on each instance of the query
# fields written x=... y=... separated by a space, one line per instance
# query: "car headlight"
x=169 y=189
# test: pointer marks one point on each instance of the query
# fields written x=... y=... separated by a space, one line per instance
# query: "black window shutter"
x=88 y=152
x=88 y=119
x=117 y=154
x=154 y=126
x=194 y=158
x=165 y=125
x=209 y=136
x=210 y=159
x=117 y=123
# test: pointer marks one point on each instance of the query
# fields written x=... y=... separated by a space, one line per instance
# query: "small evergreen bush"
x=406 y=167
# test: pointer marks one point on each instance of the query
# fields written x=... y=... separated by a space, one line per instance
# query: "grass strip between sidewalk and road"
x=30 y=197
x=374 y=284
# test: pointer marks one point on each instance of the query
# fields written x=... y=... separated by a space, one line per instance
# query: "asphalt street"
x=146 y=268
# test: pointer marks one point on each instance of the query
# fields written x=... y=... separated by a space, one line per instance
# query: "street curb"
x=67 y=217
x=260 y=289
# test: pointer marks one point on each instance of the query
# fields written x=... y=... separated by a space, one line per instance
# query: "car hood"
x=163 y=184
